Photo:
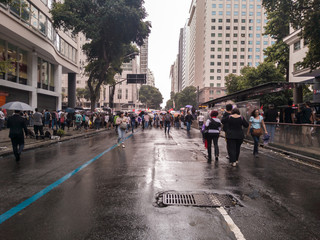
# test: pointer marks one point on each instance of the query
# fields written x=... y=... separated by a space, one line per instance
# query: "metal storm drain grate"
x=201 y=199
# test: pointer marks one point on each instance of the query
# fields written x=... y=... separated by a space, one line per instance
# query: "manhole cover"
x=201 y=199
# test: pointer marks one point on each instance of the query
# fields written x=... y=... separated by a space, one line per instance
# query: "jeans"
x=121 y=134
x=188 y=126
x=177 y=124
x=213 y=138
x=146 y=124
x=54 y=122
x=256 y=143
x=167 y=125
x=271 y=128
x=233 y=146
x=133 y=124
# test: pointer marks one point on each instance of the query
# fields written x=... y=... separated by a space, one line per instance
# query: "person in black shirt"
x=270 y=119
x=288 y=117
x=306 y=118
x=234 y=134
x=225 y=125
x=17 y=125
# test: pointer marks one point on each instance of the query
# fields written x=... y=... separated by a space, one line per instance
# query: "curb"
x=50 y=142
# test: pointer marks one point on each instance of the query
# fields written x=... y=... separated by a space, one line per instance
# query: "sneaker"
x=234 y=164
x=123 y=146
x=217 y=158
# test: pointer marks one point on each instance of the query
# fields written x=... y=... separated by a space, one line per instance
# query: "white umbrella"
x=17 y=106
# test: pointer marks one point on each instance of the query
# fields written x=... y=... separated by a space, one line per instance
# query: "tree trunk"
x=112 y=89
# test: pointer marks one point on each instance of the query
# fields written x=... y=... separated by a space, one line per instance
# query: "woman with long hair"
x=256 y=124
x=234 y=134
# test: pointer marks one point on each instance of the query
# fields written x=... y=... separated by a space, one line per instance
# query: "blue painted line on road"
x=13 y=211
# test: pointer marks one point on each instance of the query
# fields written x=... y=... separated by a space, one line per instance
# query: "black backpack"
x=214 y=125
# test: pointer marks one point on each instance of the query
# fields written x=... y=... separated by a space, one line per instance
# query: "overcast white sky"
x=167 y=17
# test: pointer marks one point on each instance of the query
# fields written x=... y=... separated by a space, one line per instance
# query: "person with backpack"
x=188 y=119
x=234 y=134
x=78 y=121
x=115 y=122
x=213 y=128
x=167 y=122
x=47 y=118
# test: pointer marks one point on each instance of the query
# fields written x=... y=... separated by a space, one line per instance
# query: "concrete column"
x=297 y=94
x=33 y=78
x=58 y=84
x=71 y=90
x=316 y=89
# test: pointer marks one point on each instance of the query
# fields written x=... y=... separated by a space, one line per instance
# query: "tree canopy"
x=150 y=96
x=187 y=96
x=301 y=14
x=112 y=26
x=251 y=77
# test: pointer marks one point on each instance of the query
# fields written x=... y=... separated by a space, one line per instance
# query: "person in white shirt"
x=200 y=120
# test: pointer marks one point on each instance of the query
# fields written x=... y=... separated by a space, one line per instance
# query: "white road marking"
x=233 y=227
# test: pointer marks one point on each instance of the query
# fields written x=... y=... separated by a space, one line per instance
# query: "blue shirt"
x=256 y=123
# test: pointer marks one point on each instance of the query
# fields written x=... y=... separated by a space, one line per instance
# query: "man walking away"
x=188 y=120
x=167 y=122
x=288 y=117
x=17 y=125
x=38 y=125
x=307 y=118
x=225 y=125
x=78 y=121
x=271 y=116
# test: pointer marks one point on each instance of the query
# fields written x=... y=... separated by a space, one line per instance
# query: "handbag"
x=257 y=132
x=123 y=126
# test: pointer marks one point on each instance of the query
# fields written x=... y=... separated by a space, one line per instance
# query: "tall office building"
x=39 y=53
x=185 y=56
x=225 y=36
x=144 y=50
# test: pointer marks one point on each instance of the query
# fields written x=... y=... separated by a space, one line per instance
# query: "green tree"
x=251 y=77
x=301 y=14
x=187 y=96
x=169 y=104
x=306 y=15
x=82 y=93
x=232 y=82
x=112 y=26
x=278 y=26
x=150 y=96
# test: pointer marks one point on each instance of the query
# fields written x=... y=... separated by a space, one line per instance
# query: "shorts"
x=306 y=130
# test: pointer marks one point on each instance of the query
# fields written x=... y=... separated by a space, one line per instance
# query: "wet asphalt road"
x=113 y=198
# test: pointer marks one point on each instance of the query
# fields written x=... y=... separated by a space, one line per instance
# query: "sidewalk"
x=31 y=143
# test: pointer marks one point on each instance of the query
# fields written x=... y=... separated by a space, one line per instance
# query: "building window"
x=234 y=71
x=219 y=78
x=219 y=71
x=211 y=70
x=42 y=23
x=127 y=93
x=297 y=46
x=119 y=94
x=226 y=70
x=211 y=77
x=211 y=92
x=226 y=63
x=212 y=85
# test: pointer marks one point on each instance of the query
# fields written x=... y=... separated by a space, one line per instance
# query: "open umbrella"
x=17 y=106
x=70 y=110
x=188 y=106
